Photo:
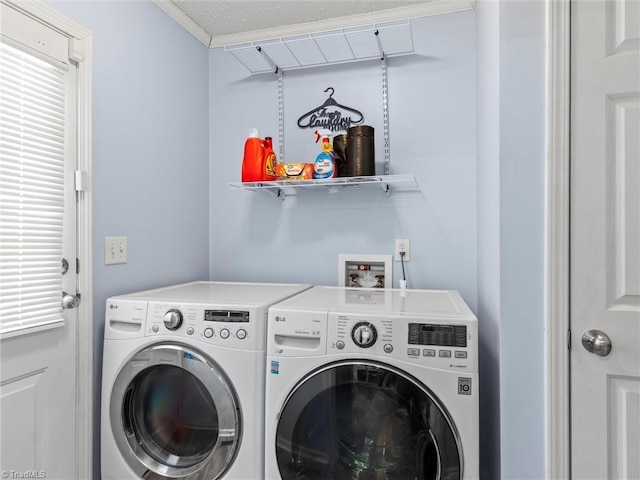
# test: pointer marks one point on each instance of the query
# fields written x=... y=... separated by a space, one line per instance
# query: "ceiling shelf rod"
x=380 y=49
x=268 y=59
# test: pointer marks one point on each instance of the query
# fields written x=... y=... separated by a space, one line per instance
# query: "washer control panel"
x=227 y=327
x=433 y=343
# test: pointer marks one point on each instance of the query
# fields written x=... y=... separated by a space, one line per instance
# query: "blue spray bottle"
x=325 y=164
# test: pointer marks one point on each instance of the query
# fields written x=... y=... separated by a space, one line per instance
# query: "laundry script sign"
x=331 y=116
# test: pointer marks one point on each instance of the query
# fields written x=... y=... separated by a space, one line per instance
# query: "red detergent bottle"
x=270 y=160
x=253 y=162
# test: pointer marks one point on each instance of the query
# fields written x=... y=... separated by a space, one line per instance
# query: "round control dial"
x=173 y=319
x=364 y=334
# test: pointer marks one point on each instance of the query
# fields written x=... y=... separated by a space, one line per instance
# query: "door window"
x=32 y=195
x=361 y=420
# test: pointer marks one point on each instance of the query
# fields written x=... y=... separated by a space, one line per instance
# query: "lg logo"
x=280 y=319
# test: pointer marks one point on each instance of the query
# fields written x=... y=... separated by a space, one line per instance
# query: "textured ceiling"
x=226 y=17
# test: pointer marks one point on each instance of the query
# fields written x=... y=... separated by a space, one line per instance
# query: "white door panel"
x=605 y=238
x=38 y=393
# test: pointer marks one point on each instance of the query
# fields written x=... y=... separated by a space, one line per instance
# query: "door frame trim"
x=80 y=51
x=557 y=225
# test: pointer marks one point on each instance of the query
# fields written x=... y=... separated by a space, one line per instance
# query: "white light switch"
x=115 y=250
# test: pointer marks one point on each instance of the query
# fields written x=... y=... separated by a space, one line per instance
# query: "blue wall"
x=467 y=118
x=432 y=121
x=150 y=152
x=522 y=204
x=488 y=154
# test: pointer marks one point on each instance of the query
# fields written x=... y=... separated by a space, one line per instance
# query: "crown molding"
x=436 y=7
x=170 y=8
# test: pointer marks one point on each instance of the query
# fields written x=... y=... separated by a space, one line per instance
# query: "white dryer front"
x=174 y=414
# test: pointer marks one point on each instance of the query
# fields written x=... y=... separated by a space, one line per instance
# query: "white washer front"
x=182 y=381
x=370 y=384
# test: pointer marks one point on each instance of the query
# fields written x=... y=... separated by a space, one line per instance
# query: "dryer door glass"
x=364 y=420
x=174 y=413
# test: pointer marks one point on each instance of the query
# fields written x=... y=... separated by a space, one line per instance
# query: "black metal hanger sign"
x=331 y=116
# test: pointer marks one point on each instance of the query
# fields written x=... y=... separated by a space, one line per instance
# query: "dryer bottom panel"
x=364 y=420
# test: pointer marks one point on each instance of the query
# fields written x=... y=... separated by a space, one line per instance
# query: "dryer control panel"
x=232 y=327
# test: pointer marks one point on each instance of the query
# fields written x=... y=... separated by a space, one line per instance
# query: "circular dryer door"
x=365 y=420
x=174 y=414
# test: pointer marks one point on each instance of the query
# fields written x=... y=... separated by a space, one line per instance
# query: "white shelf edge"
x=281 y=188
x=357 y=44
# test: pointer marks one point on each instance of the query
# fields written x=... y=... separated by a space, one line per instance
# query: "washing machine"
x=372 y=384
x=183 y=381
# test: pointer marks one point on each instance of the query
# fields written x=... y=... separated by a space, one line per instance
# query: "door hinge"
x=569 y=340
x=77 y=266
x=81 y=180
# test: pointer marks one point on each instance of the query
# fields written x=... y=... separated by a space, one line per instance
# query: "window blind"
x=32 y=156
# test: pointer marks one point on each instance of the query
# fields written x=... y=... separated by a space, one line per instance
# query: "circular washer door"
x=365 y=420
x=174 y=413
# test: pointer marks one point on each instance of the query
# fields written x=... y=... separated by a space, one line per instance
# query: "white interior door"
x=605 y=239
x=38 y=390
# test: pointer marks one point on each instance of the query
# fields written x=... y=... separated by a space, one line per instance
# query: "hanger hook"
x=332 y=90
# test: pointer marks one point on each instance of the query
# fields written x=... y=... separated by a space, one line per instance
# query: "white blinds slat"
x=32 y=153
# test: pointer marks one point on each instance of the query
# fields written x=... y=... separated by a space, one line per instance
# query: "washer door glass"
x=174 y=413
x=364 y=420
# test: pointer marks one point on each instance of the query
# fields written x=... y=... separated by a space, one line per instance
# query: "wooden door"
x=38 y=345
x=605 y=239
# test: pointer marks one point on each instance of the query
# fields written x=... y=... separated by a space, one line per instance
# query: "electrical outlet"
x=403 y=245
x=115 y=250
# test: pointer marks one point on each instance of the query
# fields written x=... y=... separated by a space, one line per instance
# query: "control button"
x=428 y=352
x=208 y=332
x=460 y=354
x=414 y=352
x=241 y=334
x=190 y=331
x=444 y=353
x=339 y=344
x=388 y=348
x=224 y=333
x=155 y=328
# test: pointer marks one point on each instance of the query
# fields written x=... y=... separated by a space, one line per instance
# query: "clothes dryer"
x=183 y=382
x=372 y=384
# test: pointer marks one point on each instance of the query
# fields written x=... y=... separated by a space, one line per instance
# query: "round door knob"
x=597 y=342
x=364 y=334
x=70 y=301
x=173 y=319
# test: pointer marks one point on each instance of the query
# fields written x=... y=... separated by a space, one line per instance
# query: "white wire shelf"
x=325 y=48
x=282 y=188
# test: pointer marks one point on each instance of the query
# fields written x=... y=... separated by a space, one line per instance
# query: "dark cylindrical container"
x=361 y=155
x=339 y=151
